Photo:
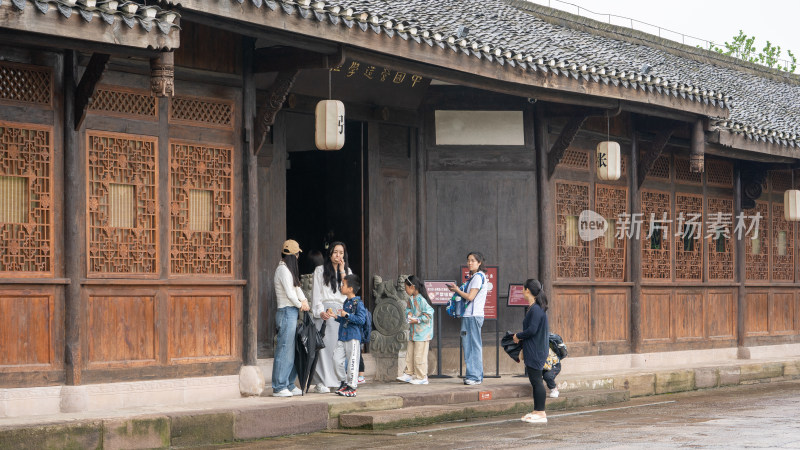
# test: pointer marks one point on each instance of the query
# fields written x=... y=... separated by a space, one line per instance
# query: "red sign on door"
x=490 y=309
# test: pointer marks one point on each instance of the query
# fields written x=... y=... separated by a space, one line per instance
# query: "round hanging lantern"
x=609 y=162
x=791 y=204
x=329 y=129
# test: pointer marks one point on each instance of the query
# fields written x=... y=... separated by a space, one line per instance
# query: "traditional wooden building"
x=154 y=158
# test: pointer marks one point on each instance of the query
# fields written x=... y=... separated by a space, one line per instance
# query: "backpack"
x=366 y=328
x=456 y=306
x=558 y=346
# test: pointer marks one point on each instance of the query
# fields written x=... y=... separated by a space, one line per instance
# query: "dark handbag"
x=309 y=336
x=511 y=348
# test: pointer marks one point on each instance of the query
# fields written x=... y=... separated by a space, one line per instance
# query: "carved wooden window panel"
x=572 y=260
x=688 y=234
x=201 y=198
x=719 y=173
x=122 y=102
x=201 y=112
x=782 y=245
x=575 y=159
x=656 y=256
x=660 y=168
x=781 y=181
x=720 y=247
x=609 y=252
x=684 y=175
x=128 y=160
x=26 y=153
x=26 y=84
x=758 y=250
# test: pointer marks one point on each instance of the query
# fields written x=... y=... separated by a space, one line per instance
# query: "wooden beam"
x=277 y=59
x=566 y=137
x=85 y=90
x=741 y=142
x=649 y=158
x=277 y=95
x=462 y=68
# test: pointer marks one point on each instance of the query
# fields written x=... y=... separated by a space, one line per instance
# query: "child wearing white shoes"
x=419 y=314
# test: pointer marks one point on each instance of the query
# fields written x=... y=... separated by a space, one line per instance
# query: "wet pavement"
x=750 y=416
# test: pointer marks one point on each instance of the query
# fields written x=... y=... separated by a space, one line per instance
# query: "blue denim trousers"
x=283 y=370
x=473 y=347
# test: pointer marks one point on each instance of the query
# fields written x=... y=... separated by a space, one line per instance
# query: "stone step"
x=436 y=413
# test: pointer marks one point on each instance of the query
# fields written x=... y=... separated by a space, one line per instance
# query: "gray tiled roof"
x=762 y=106
x=130 y=13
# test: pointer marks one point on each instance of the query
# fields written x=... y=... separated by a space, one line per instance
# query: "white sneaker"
x=282 y=393
x=471 y=382
x=554 y=393
x=297 y=391
x=320 y=389
x=406 y=378
x=418 y=381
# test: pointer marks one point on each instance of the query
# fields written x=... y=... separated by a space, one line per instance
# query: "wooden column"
x=635 y=246
x=74 y=246
x=698 y=148
x=421 y=175
x=545 y=204
x=250 y=233
x=739 y=259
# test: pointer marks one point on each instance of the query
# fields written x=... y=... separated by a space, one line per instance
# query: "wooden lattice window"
x=122 y=102
x=575 y=159
x=688 y=235
x=782 y=245
x=26 y=222
x=781 y=181
x=719 y=231
x=684 y=175
x=572 y=252
x=656 y=254
x=201 y=209
x=201 y=111
x=719 y=173
x=757 y=250
x=26 y=84
x=609 y=251
x=660 y=168
x=122 y=191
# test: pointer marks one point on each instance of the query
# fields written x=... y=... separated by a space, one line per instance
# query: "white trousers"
x=345 y=358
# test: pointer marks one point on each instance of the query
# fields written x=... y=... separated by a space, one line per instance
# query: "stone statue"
x=388 y=344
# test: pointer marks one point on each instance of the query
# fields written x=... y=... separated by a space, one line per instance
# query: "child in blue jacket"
x=351 y=319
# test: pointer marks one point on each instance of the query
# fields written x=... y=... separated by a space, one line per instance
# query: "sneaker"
x=554 y=393
x=362 y=380
x=471 y=382
x=349 y=392
x=406 y=378
x=418 y=381
x=282 y=393
x=320 y=389
x=342 y=388
x=297 y=391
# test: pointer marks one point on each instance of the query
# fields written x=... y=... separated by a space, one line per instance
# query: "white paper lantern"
x=329 y=130
x=791 y=204
x=609 y=162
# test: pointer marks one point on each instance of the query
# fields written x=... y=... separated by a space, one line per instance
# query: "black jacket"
x=511 y=347
x=534 y=336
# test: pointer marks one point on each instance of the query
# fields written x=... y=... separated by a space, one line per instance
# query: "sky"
x=712 y=20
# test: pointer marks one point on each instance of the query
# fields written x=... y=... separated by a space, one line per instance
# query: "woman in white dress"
x=326 y=301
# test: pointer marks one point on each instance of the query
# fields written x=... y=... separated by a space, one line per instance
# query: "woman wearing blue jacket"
x=534 y=337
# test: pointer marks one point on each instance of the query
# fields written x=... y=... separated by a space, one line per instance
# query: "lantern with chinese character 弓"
x=791 y=204
x=329 y=129
x=609 y=162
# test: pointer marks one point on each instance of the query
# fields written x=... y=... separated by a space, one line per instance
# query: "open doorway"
x=325 y=196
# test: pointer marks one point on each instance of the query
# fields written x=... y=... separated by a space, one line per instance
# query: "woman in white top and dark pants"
x=291 y=301
x=472 y=320
x=326 y=301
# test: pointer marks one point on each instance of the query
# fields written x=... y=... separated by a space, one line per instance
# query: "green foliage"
x=743 y=47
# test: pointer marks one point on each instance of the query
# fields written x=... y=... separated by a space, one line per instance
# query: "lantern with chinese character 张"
x=609 y=162
x=329 y=129
x=791 y=204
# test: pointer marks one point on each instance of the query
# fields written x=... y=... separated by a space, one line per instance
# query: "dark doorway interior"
x=324 y=194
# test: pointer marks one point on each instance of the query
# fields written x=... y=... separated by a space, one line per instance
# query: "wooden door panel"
x=757 y=313
x=121 y=330
x=656 y=316
x=610 y=315
x=26 y=330
x=720 y=314
x=200 y=327
x=781 y=313
x=571 y=318
x=689 y=315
